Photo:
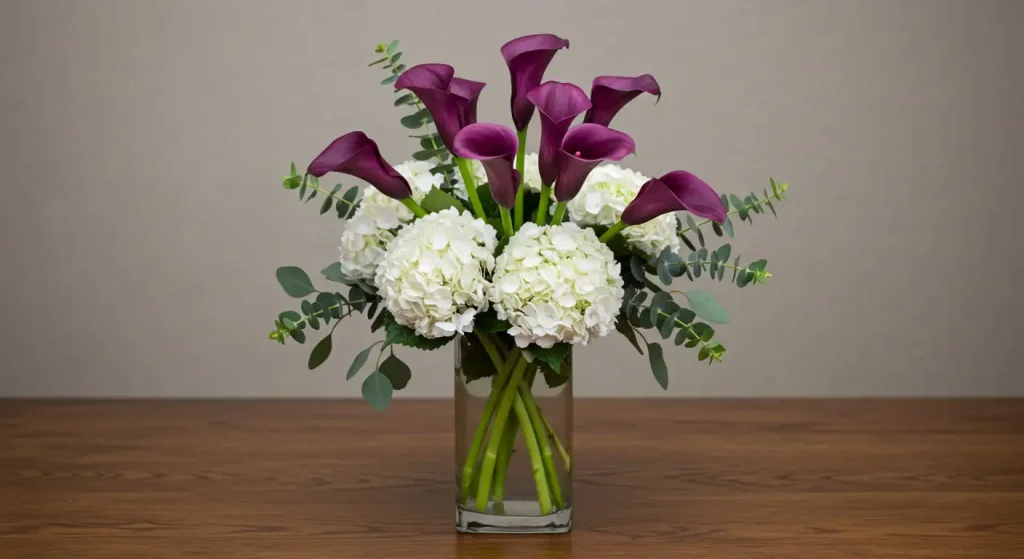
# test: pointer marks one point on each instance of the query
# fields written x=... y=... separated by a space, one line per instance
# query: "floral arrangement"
x=520 y=255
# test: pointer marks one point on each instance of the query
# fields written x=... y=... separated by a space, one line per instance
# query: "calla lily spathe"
x=357 y=155
x=583 y=148
x=495 y=147
x=451 y=101
x=559 y=104
x=610 y=93
x=527 y=58
x=673 y=192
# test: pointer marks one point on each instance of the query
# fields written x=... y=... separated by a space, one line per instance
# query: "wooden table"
x=655 y=479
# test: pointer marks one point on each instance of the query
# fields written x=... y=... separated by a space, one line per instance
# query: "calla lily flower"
x=673 y=192
x=583 y=148
x=357 y=155
x=451 y=101
x=527 y=58
x=495 y=147
x=559 y=104
x=610 y=93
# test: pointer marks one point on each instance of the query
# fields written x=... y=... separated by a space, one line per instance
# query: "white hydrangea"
x=531 y=174
x=433 y=277
x=378 y=217
x=606 y=193
x=557 y=284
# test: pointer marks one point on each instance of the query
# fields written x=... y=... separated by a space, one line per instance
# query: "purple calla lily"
x=673 y=192
x=583 y=148
x=495 y=147
x=451 y=101
x=559 y=104
x=357 y=155
x=527 y=58
x=610 y=93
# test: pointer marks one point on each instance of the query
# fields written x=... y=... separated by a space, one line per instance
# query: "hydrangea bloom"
x=433 y=278
x=373 y=226
x=606 y=193
x=557 y=284
x=531 y=170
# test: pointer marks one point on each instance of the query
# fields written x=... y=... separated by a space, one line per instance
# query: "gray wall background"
x=142 y=216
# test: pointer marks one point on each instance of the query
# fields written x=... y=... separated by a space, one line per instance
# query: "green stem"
x=520 y=166
x=536 y=462
x=506 y=221
x=413 y=207
x=537 y=426
x=542 y=209
x=559 y=213
x=508 y=396
x=485 y=419
x=504 y=456
x=612 y=231
x=558 y=444
x=467 y=177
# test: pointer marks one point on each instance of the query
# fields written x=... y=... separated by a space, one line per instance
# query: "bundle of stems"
x=510 y=409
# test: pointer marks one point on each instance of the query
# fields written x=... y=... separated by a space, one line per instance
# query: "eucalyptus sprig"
x=744 y=208
x=345 y=205
x=431 y=146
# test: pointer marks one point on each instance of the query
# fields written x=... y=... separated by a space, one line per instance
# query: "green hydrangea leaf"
x=396 y=334
x=437 y=200
x=551 y=356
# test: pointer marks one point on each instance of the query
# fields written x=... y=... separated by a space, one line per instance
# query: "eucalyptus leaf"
x=333 y=273
x=397 y=371
x=663 y=273
x=724 y=252
x=289 y=319
x=321 y=351
x=377 y=391
x=294 y=281
x=636 y=267
x=706 y=306
x=413 y=121
x=622 y=325
x=667 y=326
x=693 y=227
x=358 y=362
x=658 y=367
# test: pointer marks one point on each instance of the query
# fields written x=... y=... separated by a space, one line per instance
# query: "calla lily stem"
x=506 y=222
x=414 y=207
x=542 y=209
x=520 y=166
x=559 y=213
x=467 y=179
x=612 y=231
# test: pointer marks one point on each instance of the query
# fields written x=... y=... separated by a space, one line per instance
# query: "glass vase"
x=513 y=438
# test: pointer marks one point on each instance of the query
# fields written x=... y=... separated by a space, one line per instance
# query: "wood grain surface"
x=666 y=478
